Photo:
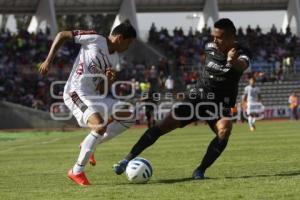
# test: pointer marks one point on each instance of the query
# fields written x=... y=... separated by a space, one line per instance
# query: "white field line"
x=32 y=144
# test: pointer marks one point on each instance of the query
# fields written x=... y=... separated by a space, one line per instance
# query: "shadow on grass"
x=170 y=181
x=163 y=181
x=178 y=180
x=289 y=173
x=188 y=179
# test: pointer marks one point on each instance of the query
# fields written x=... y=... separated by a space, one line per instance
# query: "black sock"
x=147 y=139
x=214 y=150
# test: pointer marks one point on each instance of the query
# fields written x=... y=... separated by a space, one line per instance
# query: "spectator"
x=169 y=84
x=293 y=101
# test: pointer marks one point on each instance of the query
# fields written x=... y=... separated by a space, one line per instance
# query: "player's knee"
x=224 y=129
x=100 y=130
x=224 y=133
x=96 y=123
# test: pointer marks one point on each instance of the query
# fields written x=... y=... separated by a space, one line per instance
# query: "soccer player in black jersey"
x=215 y=93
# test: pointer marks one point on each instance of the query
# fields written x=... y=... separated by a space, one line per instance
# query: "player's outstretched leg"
x=146 y=140
x=215 y=148
x=113 y=129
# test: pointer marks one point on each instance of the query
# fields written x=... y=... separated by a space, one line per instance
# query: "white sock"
x=253 y=120
x=114 y=129
x=250 y=121
x=87 y=148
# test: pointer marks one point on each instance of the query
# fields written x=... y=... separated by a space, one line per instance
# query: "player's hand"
x=111 y=75
x=44 y=67
x=232 y=55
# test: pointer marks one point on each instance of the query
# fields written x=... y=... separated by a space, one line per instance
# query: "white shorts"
x=254 y=108
x=82 y=108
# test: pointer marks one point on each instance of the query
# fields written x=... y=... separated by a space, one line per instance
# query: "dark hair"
x=227 y=25
x=125 y=29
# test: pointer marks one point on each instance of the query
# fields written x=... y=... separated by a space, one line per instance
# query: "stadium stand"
x=20 y=82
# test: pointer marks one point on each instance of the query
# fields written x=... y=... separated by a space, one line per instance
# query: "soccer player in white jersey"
x=253 y=98
x=85 y=86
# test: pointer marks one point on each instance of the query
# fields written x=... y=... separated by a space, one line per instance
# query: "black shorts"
x=195 y=109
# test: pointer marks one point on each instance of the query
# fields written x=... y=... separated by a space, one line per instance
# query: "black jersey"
x=218 y=77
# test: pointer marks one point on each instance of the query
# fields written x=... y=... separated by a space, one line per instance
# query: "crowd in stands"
x=21 y=83
x=274 y=54
x=21 y=54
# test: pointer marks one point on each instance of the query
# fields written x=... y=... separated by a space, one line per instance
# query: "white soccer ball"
x=139 y=170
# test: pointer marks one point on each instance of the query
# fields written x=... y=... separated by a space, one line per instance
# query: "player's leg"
x=95 y=122
x=251 y=118
x=168 y=124
x=251 y=121
x=92 y=159
x=148 y=117
x=147 y=139
x=222 y=128
x=251 y=111
x=255 y=115
x=295 y=113
x=89 y=143
x=115 y=128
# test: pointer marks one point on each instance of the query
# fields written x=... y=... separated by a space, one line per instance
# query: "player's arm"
x=111 y=78
x=59 y=40
x=239 y=63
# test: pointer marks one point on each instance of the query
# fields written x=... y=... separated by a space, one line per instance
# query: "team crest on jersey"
x=79 y=69
x=93 y=69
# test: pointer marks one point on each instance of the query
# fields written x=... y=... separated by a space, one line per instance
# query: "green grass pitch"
x=260 y=165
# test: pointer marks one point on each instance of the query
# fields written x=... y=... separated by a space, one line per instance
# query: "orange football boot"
x=80 y=178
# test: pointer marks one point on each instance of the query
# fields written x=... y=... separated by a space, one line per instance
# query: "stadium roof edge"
x=112 y=6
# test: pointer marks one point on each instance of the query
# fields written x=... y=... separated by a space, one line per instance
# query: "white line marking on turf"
x=29 y=145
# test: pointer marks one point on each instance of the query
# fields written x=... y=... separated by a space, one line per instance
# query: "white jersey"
x=93 y=59
x=252 y=94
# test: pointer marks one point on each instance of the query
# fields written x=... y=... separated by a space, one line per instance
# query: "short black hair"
x=227 y=25
x=125 y=29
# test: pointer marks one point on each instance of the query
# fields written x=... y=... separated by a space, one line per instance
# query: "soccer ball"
x=139 y=170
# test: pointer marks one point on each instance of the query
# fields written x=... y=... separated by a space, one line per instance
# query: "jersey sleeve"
x=85 y=37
